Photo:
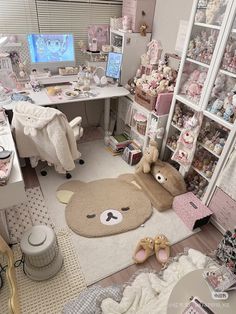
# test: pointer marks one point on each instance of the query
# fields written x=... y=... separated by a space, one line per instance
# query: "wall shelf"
x=209 y=150
x=228 y=73
x=217 y=119
x=207 y=25
x=204 y=65
x=188 y=102
x=201 y=173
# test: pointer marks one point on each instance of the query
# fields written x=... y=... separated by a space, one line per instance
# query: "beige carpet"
x=103 y=256
x=48 y=297
x=91 y=213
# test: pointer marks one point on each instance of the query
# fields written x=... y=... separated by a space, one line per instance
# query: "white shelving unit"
x=132 y=46
x=128 y=104
x=213 y=69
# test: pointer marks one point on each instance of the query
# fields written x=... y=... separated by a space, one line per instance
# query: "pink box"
x=191 y=210
x=141 y=11
x=163 y=103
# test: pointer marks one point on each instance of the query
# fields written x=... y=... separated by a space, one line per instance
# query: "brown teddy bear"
x=149 y=157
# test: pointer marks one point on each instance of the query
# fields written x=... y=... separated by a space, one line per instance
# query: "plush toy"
x=217 y=105
x=218 y=85
x=149 y=157
x=168 y=177
x=212 y=11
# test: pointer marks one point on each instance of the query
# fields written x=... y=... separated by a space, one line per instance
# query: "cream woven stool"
x=42 y=256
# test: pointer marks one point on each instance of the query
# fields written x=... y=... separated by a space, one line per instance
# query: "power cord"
x=16 y=264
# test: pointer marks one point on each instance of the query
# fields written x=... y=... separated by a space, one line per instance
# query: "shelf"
x=207 y=25
x=176 y=127
x=228 y=73
x=206 y=148
x=217 y=119
x=204 y=65
x=201 y=173
x=170 y=148
x=136 y=132
x=188 y=102
x=12 y=45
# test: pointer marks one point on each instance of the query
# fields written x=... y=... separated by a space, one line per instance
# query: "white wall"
x=168 y=14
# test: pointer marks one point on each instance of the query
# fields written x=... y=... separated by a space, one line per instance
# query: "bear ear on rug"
x=67 y=190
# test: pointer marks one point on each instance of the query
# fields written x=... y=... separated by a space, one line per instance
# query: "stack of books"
x=117 y=143
x=132 y=153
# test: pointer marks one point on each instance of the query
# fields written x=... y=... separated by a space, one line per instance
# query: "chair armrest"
x=76 y=121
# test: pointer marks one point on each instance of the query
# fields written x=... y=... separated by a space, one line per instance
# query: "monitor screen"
x=114 y=62
x=45 y=48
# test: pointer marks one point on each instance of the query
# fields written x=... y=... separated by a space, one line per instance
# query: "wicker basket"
x=116 y=23
x=144 y=99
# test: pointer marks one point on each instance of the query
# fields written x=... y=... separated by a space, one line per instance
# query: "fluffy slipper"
x=143 y=250
x=162 y=249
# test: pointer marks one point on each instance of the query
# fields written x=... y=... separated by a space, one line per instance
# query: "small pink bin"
x=191 y=210
x=163 y=103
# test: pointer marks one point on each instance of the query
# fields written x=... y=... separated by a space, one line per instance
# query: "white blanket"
x=148 y=293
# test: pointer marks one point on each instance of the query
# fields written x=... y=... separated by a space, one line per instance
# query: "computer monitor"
x=114 y=62
x=51 y=50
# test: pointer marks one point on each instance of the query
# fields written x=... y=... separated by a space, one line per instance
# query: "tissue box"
x=191 y=210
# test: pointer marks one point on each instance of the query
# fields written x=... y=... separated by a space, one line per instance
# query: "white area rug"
x=23 y=216
x=101 y=257
x=48 y=297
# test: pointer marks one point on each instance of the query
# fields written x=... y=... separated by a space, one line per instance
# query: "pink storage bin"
x=163 y=103
x=191 y=210
x=141 y=11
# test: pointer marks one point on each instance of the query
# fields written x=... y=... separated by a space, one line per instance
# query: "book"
x=196 y=306
x=221 y=279
x=120 y=139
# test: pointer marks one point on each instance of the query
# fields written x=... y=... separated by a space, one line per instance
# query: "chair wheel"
x=43 y=173
x=68 y=176
x=81 y=161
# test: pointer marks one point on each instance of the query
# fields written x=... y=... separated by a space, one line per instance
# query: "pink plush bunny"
x=194 y=89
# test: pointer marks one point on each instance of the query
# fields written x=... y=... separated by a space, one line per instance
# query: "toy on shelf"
x=172 y=141
x=140 y=121
x=126 y=23
x=196 y=183
x=192 y=83
x=223 y=98
x=204 y=162
x=213 y=136
x=154 y=51
x=210 y=11
x=201 y=47
x=181 y=116
x=229 y=58
x=187 y=140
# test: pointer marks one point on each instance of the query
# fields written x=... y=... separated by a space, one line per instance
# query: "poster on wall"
x=98 y=35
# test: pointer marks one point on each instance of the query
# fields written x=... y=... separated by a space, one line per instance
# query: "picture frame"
x=100 y=34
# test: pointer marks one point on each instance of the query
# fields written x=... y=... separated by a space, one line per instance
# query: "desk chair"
x=76 y=125
x=44 y=133
x=13 y=302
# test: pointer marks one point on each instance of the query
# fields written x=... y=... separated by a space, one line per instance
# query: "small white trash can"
x=42 y=255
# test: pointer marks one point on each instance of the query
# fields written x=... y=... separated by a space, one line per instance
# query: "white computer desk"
x=107 y=92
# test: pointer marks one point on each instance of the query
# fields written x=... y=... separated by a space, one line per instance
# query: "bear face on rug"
x=103 y=207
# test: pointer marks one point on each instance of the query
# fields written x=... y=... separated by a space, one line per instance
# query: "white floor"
x=101 y=257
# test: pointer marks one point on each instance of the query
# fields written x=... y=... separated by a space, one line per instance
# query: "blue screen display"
x=51 y=47
x=114 y=65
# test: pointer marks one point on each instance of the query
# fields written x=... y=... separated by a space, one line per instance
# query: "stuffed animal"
x=168 y=177
x=212 y=11
x=217 y=105
x=150 y=156
x=218 y=86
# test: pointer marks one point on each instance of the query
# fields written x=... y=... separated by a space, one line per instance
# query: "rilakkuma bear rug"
x=103 y=207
